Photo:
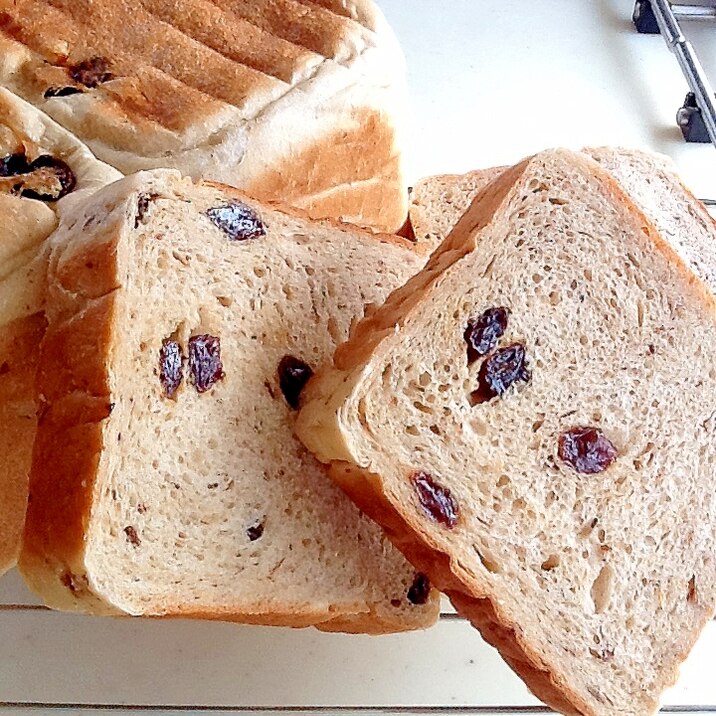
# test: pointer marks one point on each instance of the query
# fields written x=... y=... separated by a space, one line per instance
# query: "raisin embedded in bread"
x=297 y=102
x=42 y=168
x=559 y=486
x=184 y=321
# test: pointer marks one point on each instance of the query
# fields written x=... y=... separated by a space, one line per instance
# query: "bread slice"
x=295 y=101
x=651 y=180
x=183 y=321
x=25 y=135
x=437 y=202
x=555 y=477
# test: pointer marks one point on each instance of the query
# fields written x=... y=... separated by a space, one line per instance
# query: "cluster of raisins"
x=45 y=178
x=502 y=367
x=205 y=366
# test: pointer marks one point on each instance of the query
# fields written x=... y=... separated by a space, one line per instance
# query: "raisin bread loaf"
x=183 y=323
x=39 y=164
x=296 y=101
x=532 y=420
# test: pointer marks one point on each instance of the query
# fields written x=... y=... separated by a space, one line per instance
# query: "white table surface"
x=491 y=81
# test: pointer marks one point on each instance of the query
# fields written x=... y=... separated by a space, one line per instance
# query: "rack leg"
x=691 y=121
x=644 y=18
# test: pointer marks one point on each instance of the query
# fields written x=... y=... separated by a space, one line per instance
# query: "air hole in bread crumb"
x=555 y=298
x=552 y=562
x=422 y=407
x=602 y=589
x=259 y=272
x=588 y=274
x=692 y=594
x=487 y=559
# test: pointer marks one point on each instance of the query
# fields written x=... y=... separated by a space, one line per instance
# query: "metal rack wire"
x=697 y=116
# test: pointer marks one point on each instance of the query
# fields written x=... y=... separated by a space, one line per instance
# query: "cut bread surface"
x=166 y=478
x=32 y=150
x=437 y=202
x=293 y=101
x=569 y=513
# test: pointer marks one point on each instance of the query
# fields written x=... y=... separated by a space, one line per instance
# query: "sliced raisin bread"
x=532 y=419
x=39 y=164
x=183 y=323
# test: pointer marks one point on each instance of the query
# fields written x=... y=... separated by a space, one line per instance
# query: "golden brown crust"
x=357 y=178
x=19 y=345
x=288 y=100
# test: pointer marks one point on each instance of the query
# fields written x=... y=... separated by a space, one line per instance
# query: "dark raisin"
x=587 y=450
x=141 y=508
x=503 y=368
x=436 y=500
x=91 y=72
x=170 y=367
x=255 y=531
x=293 y=374
x=14 y=164
x=205 y=361
x=68 y=581
x=419 y=591
x=407 y=231
x=4 y=368
x=238 y=221
x=143 y=206
x=692 y=594
x=52 y=179
x=482 y=333
x=395 y=603
x=132 y=536
x=61 y=92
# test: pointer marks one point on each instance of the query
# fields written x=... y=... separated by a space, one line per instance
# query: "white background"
x=491 y=81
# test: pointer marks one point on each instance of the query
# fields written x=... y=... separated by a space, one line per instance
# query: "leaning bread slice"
x=39 y=164
x=531 y=418
x=183 y=322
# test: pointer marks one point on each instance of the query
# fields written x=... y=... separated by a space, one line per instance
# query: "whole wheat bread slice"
x=26 y=135
x=166 y=479
x=569 y=512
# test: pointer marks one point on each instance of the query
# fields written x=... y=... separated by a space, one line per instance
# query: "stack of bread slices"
x=222 y=398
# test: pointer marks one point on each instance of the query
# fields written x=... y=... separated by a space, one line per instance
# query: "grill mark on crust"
x=235 y=39
x=313 y=28
x=152 y=87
